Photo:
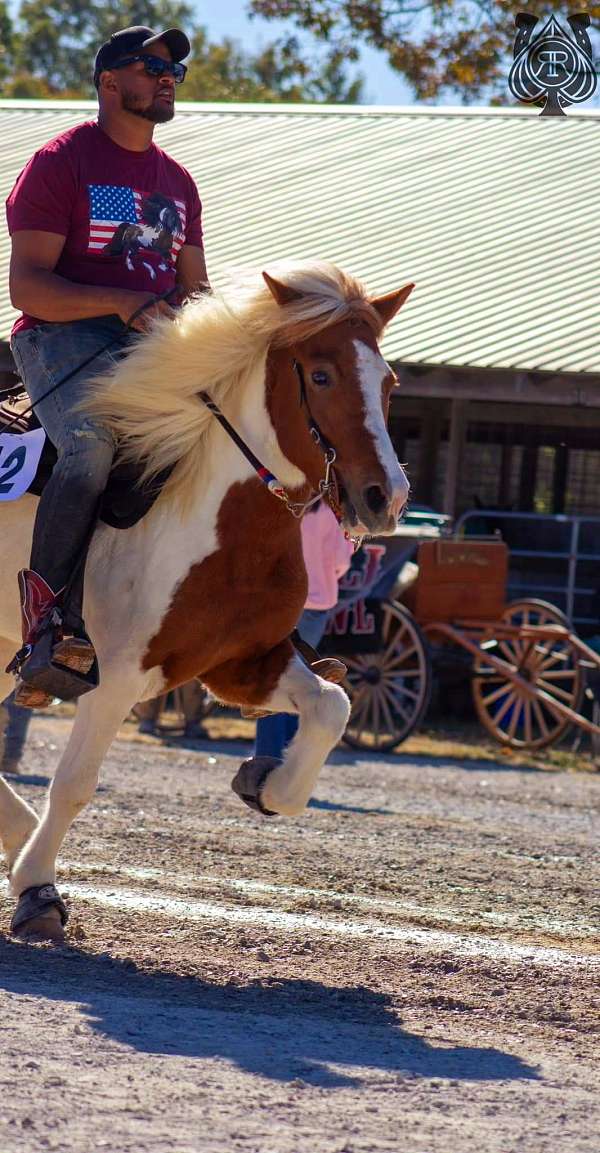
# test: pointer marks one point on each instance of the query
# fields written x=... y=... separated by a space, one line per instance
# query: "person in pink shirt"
x=327 y=556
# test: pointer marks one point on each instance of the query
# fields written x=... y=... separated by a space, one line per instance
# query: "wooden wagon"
x=528 y=669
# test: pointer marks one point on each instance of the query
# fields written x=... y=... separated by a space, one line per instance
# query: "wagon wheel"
x=531 y=611
x=389 y=689
x=551 y=665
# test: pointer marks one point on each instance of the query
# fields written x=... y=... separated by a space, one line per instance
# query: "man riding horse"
x=78 y=291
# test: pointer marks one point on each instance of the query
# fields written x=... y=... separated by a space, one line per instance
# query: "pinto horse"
x=211 y=582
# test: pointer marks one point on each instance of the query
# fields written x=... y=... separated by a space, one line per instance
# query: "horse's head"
x=337 y=380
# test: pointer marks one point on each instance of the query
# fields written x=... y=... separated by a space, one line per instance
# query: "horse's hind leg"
x=323 y=710
x=17 y=819
x=99 y=715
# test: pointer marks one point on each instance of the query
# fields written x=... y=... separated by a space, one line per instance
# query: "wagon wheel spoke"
x=374 y=725
x=357 y=663
x=540 y=652
x=537 y=708
x=392 y=657
x=527 y=654
x=395 y=703
x=357 y=698
x=387 y=725
x=515 y=717
x=511 y=651
x=354 y=672
x=505 y=707
x=497 y=693
x=399 y=671
x=400 y=688
x=361 y=716
x=358 y=692
x=527 y=718
x=553 y=658
x=555 y=691
x=388 y=621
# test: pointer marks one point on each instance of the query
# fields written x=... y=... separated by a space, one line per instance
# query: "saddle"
x=125 y=499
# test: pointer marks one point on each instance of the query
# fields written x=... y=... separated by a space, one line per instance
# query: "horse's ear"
x=387 y=306
x=282 y=292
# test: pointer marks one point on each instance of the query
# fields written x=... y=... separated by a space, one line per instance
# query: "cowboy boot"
x=40 y=611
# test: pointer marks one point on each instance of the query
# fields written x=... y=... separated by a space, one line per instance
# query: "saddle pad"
x=19 y=459
x=27 y=458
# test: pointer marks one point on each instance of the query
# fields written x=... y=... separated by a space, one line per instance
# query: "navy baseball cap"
x=131 y=40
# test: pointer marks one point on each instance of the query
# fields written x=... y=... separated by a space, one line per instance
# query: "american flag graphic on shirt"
x=112 y=205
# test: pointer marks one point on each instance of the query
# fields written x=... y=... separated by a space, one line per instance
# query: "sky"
x=381 y=84
x=228 y=18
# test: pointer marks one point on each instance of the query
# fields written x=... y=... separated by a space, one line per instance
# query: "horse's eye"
x=321 y=378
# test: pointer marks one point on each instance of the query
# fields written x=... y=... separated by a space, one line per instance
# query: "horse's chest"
x=248 y=592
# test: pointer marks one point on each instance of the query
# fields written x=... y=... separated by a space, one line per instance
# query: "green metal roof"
x=492 y=212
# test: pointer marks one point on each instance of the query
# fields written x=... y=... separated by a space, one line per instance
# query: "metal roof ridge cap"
x=24 y=105
x=193 y=106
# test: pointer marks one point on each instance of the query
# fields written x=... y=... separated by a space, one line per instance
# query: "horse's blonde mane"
x=149 y=400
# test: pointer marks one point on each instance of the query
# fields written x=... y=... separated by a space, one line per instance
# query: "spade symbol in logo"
x=554 y=67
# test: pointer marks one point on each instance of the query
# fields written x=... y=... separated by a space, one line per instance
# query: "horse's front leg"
x=39 y=909
x=285 y=786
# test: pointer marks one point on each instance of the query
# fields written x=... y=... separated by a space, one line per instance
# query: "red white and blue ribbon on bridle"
x=327 y=485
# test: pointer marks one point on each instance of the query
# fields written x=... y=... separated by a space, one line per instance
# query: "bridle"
x=328 y=487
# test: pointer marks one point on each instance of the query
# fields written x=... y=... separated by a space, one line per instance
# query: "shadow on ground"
x=283 y=1030
x=242 y=748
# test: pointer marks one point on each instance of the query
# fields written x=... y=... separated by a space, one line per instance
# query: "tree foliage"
x=278 y=73
x=49 y=51
x=462 y=47
x=58 y=39
x=6 y=42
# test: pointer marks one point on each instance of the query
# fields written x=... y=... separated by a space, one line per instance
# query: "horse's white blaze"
x=323 y=710
x=373 y=370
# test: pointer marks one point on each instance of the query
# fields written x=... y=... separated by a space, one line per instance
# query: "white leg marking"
x=98 y=717
x=17 y=822
x=323 y=710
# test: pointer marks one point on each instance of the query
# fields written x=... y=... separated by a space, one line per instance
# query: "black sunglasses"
x=156 y=66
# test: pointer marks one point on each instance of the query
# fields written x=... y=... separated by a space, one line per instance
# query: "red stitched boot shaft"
x=37 y=601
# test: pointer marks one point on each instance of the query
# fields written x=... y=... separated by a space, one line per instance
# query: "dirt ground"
x=411 y=966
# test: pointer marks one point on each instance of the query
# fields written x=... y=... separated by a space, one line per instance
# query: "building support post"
x=456 y=443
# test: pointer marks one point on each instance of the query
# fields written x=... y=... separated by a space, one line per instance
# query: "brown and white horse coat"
x=212 y=581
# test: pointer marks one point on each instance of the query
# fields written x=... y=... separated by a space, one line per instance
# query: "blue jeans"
x=274 y=733
x=44 y=355
x=14 y=722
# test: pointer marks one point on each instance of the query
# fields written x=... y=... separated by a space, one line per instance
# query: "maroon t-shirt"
x=124 y=214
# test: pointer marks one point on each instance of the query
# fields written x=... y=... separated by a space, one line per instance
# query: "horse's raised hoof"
x=40 y=915
x=249 y=782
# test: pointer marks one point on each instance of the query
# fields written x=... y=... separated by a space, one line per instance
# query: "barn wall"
x=515 y=453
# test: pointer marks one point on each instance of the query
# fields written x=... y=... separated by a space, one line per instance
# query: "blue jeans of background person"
x=44 y=355
x=274 y=733
x=14 y=722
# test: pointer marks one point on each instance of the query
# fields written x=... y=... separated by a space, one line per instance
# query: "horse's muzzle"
x=375 y=508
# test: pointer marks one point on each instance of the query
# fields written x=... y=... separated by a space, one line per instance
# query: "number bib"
x=19 y=458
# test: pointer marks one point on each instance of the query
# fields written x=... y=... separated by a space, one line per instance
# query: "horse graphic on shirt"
x=159 y=225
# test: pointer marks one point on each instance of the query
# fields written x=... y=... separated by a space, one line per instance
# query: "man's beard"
x=158 y=111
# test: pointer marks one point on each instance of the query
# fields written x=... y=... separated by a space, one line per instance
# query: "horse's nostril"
x=375 y=498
